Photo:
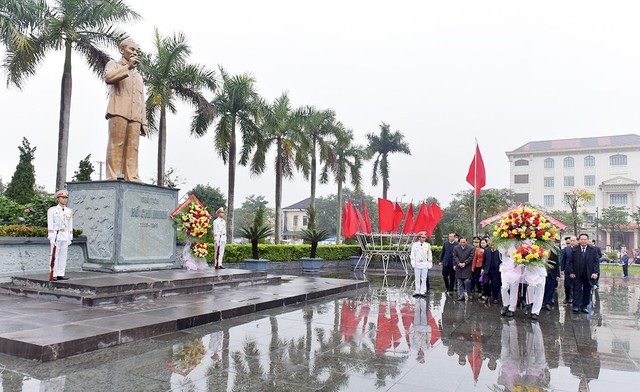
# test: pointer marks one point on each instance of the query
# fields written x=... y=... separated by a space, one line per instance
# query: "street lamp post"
x=597 y=234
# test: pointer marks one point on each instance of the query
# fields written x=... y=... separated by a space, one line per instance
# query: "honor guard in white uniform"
x=219 y=237
x=60 y=229
x=421 y=260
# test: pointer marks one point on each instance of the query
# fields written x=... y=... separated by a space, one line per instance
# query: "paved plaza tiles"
x=372 y=339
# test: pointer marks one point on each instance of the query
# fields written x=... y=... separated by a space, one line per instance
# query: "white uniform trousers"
x=421 y=279
x=509 y=295
x=535 y=295
x=60 y=263
x=220 y=243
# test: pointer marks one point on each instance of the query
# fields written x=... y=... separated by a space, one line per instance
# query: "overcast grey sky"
x=441 y=72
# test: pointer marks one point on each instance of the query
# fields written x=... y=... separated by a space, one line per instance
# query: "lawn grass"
x=617 y=269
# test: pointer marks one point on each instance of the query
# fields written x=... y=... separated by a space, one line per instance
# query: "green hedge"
x=237 y=253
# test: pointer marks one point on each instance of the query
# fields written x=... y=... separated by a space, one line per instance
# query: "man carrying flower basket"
x=194 y=221
x=525 y=237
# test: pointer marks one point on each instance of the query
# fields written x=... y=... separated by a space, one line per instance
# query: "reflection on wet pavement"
x=380 y=339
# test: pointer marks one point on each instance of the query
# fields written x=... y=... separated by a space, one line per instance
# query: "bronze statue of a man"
x=126 y=113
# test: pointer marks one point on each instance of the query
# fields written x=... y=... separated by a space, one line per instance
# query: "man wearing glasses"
x=60 y=232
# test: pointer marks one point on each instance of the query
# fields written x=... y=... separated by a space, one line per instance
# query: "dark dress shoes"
x=503 y=311
x=61 y=278
x=576 y=309
x=547 y=307
x=509 y=313
x=584 y=309
x=534 y=316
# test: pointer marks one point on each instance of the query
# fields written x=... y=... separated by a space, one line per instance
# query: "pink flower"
x=27 y=210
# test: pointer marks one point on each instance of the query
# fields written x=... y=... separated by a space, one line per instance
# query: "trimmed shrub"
x=237 y=253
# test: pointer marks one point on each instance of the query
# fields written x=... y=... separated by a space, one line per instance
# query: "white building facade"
x=609 y=167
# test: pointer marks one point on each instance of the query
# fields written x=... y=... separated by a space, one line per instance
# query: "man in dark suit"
x=491 y=271
x=570 y=242
x=462 y=259
x=446 y=259
x=583 y=266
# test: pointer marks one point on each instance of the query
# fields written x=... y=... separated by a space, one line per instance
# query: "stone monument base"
x=127 y=225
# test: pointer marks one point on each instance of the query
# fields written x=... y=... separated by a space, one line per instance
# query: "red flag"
x=398 y=214
x=345 y=222
x=435 y=213
x=421 y=219
x=408 y=221
x=353 y=220
x=385 y=215
x=476 y=175
x=367 y=219
x=361 y=222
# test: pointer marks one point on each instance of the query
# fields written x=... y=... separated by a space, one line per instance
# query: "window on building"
x=618 y=160
x=618 y=199
x=569 y=162
x=521 y=179
x=521 y=197
x=548 y=200
x=295 y=220
x=589 y=161
x=521 y=162
x=549 y=182
x=305 y=221
x=590 y=203
x=548 y=163
x=568 y=181
x=589 y=180
x=591 y=218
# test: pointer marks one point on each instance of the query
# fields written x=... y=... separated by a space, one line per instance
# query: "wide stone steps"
x=99 y=289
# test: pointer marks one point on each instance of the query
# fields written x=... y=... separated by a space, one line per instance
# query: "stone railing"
x=30 y=255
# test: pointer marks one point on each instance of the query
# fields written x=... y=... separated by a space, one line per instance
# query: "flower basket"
x=525 y=238
x=194 y=220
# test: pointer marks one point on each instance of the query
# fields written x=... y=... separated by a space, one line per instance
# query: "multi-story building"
x=609 y=167
x=295 y=218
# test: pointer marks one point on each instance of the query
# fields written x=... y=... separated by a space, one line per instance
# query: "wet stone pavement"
x=375 y=339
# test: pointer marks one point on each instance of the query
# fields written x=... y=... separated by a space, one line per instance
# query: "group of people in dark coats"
x=580 y=264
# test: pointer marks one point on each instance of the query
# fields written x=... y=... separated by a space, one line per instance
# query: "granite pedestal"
x=127 y=225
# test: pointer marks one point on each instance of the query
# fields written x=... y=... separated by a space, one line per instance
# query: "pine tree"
x=85 y=169
x=21 y=187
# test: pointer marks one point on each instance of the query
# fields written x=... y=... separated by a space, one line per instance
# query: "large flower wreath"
x=194 y=220
x=525 y=237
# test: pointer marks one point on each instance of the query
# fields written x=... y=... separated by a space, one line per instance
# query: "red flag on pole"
x=398 y=214
x=421 y=219
x=361 y=222
x=385 y=215
x=476 y=175
x=367 y=218
x=408 y=221
x=345 y=220
x=435 y=213
x=353 y=220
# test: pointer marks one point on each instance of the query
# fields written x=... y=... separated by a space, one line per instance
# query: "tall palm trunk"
x=162 y=145
x=312 y=198
x=385 y=176
x=65 y=113
x=278 y=190
x=231 y=180
x=339 y=228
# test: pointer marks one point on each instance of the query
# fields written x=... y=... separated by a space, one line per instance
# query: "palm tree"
x=238 y=105
x=348 y=163
x=68 y=24
x=282 y=126
x=384 y=144
x=168 y=76
x=321 y=128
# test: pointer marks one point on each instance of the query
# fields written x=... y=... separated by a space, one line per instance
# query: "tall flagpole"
x=475 y=184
